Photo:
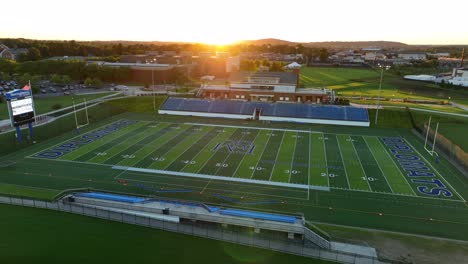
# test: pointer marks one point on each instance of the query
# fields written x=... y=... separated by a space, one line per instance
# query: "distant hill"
x=329 y=44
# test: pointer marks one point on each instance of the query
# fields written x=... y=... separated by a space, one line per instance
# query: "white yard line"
x=292 y=160
x=360 y=163
x=61 y=142
x=186 y=149
x=325 y=157
x=344 y=165
x=162 y=144
x=383 y=174
x=398 y=168
x=414 y=149
x=260 y=158
x=203 y=149
x=276 y=158
x=240 y=162
x=256 y=127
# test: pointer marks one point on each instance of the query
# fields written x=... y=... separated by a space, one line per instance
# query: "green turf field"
x=272 y=157
x=351 y=175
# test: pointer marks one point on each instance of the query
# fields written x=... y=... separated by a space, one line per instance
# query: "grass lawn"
x=442 y=108
x=365 y=82
x=44 y=105
x=31 y=235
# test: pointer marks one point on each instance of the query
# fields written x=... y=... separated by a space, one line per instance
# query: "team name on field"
x=64 y=148
x=415 y=167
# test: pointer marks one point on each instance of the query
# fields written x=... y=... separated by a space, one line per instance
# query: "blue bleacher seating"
x=293 y=110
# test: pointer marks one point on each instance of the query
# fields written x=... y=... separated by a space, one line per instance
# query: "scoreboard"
x=20 y=106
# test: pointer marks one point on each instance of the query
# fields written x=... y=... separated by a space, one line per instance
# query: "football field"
x=286 y=162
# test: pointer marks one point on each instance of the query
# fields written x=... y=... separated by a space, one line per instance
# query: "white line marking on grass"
x=229 y=154
x=30 y=187
x=72 y=161
x=61 y=142
x=218 y=190
x=203 y=149
x=276 y=159
x=176 y=134
x=326 y=160
x=398 y=168
x=402 y=195
x=434 y=169
x=183 y=152
x=221 y=178
x=260 y=158
x=129 y=139
x=383 y=174
x=258 y=128
x=243 y=156
x=344 y=165
x=292 y=160
x=360 y=163
x=308 y=169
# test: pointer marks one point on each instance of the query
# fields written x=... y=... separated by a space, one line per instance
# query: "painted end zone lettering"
x=69 y=146
x=415 y=169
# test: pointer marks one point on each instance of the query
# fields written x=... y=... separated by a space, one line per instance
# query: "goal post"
x=427 y=147
x=86 y=122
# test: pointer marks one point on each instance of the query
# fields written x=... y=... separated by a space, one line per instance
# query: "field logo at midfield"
x=415 y=168
x=239 y=147
x=64 y=148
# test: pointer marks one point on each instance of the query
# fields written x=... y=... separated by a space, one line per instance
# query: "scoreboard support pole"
x=18 y=134
x=30 y=128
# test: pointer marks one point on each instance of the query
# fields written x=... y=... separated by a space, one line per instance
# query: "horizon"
x=211 y=22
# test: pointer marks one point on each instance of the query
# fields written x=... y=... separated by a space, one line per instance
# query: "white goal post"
x=432 y=152
x=78 y=126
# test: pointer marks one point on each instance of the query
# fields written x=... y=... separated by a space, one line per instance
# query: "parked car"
x=43 y=91
x=66 y=93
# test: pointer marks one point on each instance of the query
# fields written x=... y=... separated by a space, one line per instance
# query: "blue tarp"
x=111 y=197
x=259 y=215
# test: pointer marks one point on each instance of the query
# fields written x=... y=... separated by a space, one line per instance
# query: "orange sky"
x=221 y=22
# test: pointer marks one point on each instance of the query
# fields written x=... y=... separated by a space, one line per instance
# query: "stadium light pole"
x=382 y=68
x=154 y=94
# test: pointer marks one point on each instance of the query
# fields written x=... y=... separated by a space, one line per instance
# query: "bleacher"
x=307 y=113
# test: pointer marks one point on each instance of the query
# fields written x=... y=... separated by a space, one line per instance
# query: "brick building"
x=266 y=87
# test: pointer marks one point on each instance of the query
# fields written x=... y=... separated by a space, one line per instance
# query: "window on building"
x=237 y=96
x=242 y=96
x=286 y=98
x=281 y=98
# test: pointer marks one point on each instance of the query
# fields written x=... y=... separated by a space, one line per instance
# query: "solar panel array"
x=330 y=112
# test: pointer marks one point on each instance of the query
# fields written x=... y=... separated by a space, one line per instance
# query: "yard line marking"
x=326 y=161
x=204 y=134
x=199 y=152
x=386 y=151
x=255 y=127
x=149 y=128
x=434 y=169
x=383 y=174
x=214 y=153
x=72 y=161
x=276 y=159
x=292 y=160
x=259 y=158
x=219 y=190
x=243 y=156
x=232 y=183
x=360 y=163
x=229 y=154
x=342 y=161
x=176 y=134
x=308 y=169
x=61 y=142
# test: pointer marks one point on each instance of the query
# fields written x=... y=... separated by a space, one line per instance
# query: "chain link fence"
x=235 y=234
